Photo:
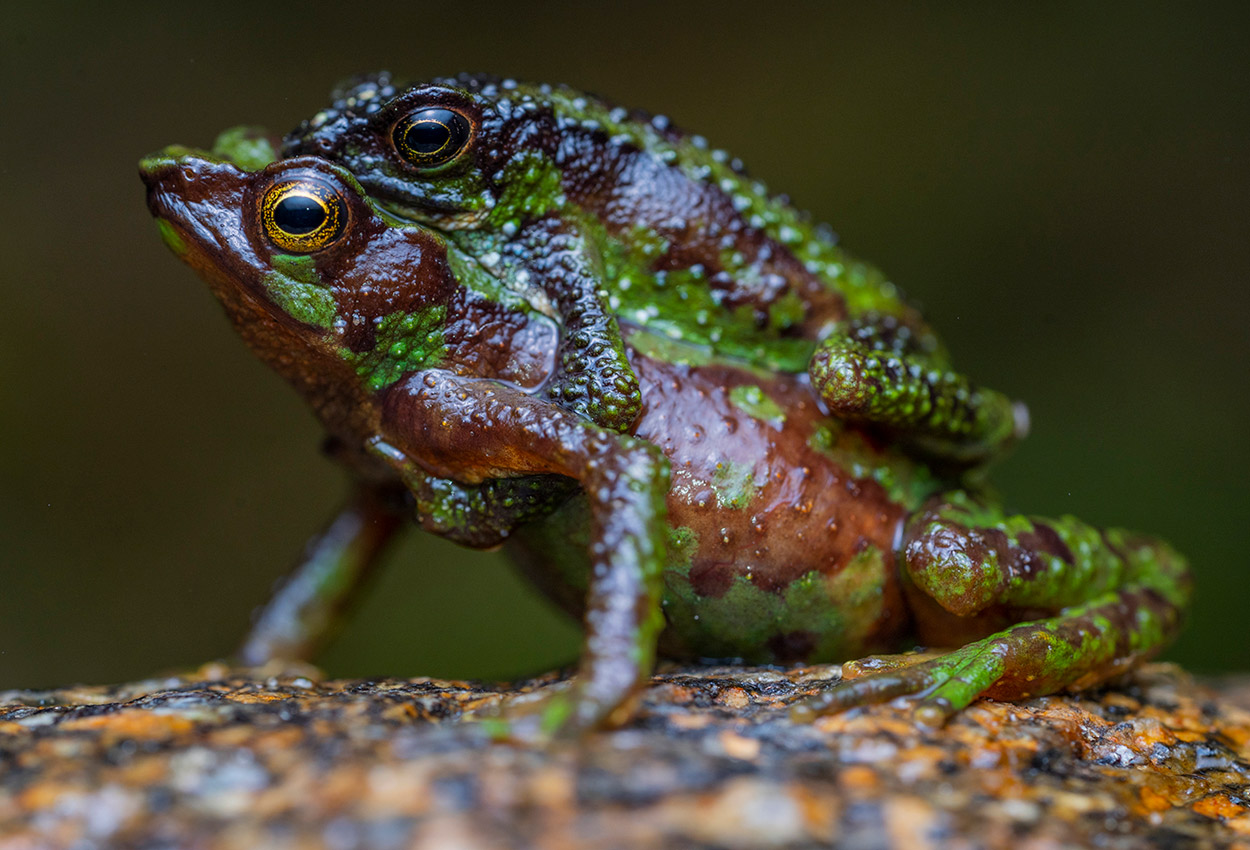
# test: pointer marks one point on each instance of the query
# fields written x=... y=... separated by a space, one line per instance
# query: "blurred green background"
x=1064 y=189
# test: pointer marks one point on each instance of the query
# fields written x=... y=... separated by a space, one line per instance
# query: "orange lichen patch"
x=734 y=698
x=250 y=697
x=552 y=788
x=913 y=823
x=859 y=778
x=1191 y=736
x=134 y=724
x=1002 y=784
x=1241 y=826
x=1218 y=806
x=41 y=796
x=691 y=721
x=738 y=746
x=142 y=772
x=818 y=807
x=1153 y=801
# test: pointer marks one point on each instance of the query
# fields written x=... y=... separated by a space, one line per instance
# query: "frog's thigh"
x=969 y=556
x=947 y=415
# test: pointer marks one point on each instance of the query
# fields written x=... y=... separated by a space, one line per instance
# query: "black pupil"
x=299 y=214
x=427 y=135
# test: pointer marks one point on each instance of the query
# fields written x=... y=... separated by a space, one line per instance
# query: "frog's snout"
x=191 y=194
x=177 y=174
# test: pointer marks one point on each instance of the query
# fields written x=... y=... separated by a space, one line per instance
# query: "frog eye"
x=304 y=215
x=431 y=137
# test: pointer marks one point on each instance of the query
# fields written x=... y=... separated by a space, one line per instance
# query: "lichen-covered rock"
x=227 y=759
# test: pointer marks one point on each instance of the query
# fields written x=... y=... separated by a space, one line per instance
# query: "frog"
x=611 y=212
x=737 y=517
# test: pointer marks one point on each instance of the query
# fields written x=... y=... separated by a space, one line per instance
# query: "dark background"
x=1064 y=191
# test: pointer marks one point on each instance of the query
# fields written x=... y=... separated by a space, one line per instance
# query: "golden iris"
x=302 y=216
x=431 y=137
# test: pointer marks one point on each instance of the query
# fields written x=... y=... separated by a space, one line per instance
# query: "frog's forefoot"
x=940 y=412
x=599 y=385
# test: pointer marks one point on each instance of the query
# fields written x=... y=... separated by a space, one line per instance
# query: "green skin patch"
x=906 y=482
x=170 y=237
x=752 y=401
x=247 y=147
x=295 y=286
x=406 y=342
x=833 y=613
x=734 y=485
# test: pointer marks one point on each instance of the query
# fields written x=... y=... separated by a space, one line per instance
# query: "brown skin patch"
x=801 y=515
x=712 y=578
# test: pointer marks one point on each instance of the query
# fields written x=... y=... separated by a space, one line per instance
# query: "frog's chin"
x=464 y=220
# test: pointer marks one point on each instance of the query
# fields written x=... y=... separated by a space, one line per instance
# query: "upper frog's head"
x=452 y=151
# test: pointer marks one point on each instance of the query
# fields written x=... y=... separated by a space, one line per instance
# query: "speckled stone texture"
x=230 y=759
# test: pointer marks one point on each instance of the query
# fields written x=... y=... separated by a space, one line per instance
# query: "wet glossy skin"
x=613 y=213
x=736 y=517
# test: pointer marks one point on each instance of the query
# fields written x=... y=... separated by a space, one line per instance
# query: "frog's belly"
x=778 y=552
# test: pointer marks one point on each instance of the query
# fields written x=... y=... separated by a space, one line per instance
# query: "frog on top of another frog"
x=614 y=214
x=792 y=485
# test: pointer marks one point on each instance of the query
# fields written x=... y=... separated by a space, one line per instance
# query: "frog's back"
x=692 y=247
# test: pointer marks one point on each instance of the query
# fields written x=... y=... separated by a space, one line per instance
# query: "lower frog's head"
x=334 y=293
x=296 y=244
x=331 y=294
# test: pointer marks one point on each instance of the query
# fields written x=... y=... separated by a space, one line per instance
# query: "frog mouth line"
x=463 y=220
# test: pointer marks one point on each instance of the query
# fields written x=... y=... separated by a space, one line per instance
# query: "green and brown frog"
x=690 y=417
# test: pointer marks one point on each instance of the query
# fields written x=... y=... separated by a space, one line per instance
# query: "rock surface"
x=230 y=759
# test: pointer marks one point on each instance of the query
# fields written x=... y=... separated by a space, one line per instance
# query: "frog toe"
x=940 y=686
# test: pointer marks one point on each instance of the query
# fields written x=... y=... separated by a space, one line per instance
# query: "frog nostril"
x=152 y=169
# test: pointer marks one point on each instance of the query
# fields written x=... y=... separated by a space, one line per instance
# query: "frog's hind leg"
x=308 y=606
x=866 y=373
x=1117 y=598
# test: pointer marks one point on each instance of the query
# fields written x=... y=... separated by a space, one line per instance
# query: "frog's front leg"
x=866 y=372
x=1108 y=600
x=481 y=515
x=594 y=378
x=475 y=430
